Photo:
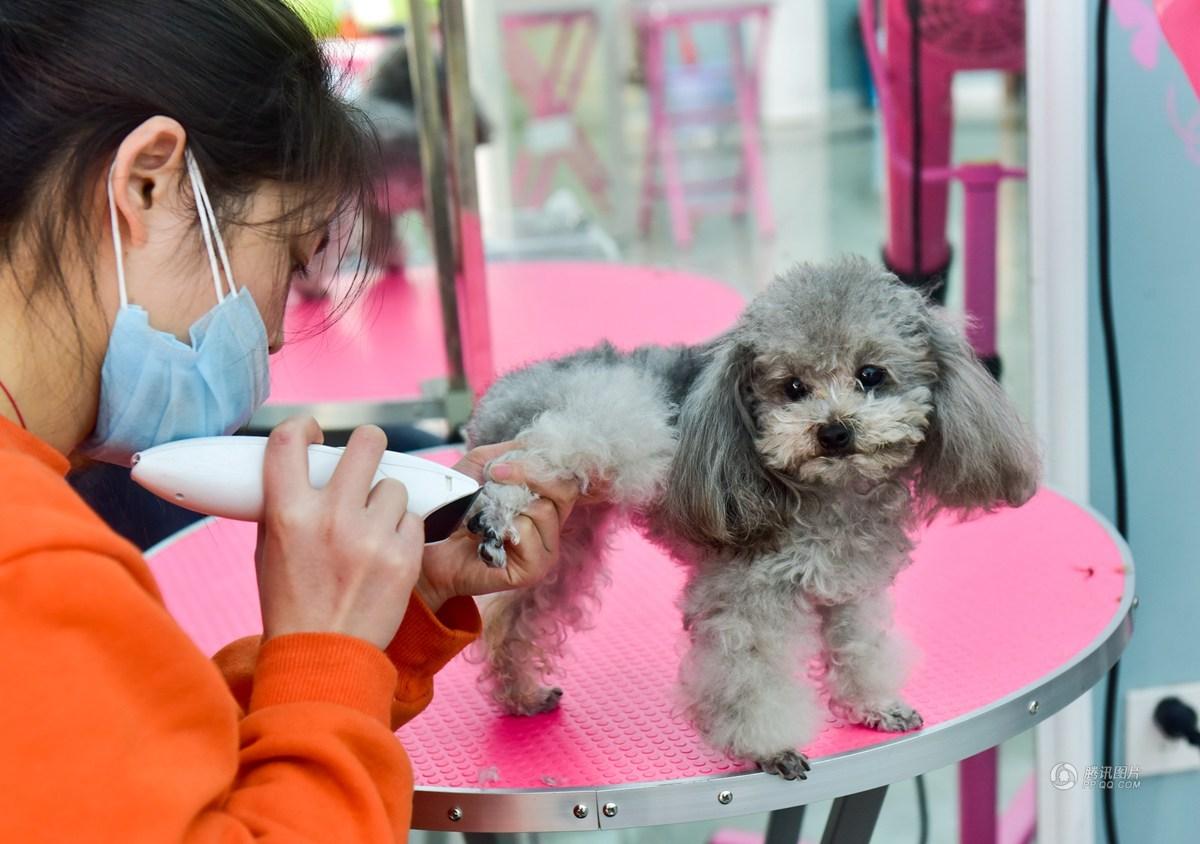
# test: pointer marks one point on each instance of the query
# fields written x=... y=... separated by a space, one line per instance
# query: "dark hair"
x=246 y=79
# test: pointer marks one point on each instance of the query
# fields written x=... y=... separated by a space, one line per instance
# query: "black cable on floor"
x=1103 y=243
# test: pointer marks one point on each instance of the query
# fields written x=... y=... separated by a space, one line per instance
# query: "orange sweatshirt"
x=115 y=727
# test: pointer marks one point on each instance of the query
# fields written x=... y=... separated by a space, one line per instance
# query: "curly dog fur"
x=785 y=464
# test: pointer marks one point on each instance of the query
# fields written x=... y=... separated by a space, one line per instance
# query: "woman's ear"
x=147 y=173
x=978 y=453
x=718 y=491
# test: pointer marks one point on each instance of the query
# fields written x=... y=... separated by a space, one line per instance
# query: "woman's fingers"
x=476 y=459
x=285 y=461
x=561 y=493
x=411 y=530
x=358 y=464
x=388 y=498
x=545 y=515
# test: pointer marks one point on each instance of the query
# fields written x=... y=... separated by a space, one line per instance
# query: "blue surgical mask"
x=155 y=389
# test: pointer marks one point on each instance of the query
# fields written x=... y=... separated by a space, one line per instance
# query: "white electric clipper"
x=223 y=476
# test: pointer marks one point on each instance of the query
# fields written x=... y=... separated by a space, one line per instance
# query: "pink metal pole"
x=980 y=183
x=660 y=133
x=936 y=122
x=977 y=798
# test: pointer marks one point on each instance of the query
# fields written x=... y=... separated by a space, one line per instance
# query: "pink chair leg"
x=1018 y=825
x=741 y=182
x=585 y=161
x=543 y=183
x=745 y=86
x=977 y=798
x=660 y=130
x=649 y=182
x=979 y=255
x=520 y=177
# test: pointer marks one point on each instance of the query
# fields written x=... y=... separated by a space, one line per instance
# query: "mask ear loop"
x=194 y=175
x=116 y=234
x=204 y=205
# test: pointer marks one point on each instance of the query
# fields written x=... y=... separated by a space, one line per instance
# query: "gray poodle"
x=785 y=464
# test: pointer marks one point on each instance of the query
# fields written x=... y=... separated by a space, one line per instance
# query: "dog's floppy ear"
x=977 y=453
x=718 y=491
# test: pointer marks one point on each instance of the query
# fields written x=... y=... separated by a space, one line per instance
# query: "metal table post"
x=452 y=203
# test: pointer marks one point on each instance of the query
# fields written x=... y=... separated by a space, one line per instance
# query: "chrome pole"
x=434 y=167
x=471 y=266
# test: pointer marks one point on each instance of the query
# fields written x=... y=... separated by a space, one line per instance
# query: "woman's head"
x=242 y=84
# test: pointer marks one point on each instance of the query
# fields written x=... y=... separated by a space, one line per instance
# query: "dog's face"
x=841 y=376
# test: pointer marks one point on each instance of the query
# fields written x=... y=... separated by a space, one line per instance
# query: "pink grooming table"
x=1015 y=615
x=360 y=366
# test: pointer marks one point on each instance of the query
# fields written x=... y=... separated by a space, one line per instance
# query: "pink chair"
x=551 y=92
x=654 y=22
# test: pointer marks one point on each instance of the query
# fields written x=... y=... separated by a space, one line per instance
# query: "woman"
x=168 y=167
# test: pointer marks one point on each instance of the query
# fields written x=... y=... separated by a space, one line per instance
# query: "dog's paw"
x=494 y=520
x=789 y=764
x=544 y=699
x=895 y=717
x=491 y=548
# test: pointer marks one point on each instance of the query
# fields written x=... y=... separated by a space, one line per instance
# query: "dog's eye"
x=871 y=377
x=795 y=389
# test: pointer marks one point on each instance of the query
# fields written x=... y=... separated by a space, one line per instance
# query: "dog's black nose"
x=835 y=437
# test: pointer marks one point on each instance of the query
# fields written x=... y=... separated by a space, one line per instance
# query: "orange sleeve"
x=115 y=726
x=422 y=646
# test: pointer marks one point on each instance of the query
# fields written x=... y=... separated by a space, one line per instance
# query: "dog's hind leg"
x=866 y=662
x=524 y=630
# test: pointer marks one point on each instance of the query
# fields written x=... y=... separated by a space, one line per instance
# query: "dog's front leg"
x=739 y=678
x=525 y=630
x=616 y=442
x=866 y=663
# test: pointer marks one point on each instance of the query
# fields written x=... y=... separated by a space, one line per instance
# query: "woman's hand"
x=453 y=567
x=341 y=559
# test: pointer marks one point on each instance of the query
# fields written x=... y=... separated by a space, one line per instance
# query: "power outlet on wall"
x=1145 y=746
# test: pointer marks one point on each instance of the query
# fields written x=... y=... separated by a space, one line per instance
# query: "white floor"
x=824 y=183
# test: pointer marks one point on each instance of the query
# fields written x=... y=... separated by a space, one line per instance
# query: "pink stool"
x=1014 y=614
x=374 y=362
x=551 y=92
x=655 y=20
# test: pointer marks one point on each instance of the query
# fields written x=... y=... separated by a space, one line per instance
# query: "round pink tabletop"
x=1014 y=614
x=386 y=345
